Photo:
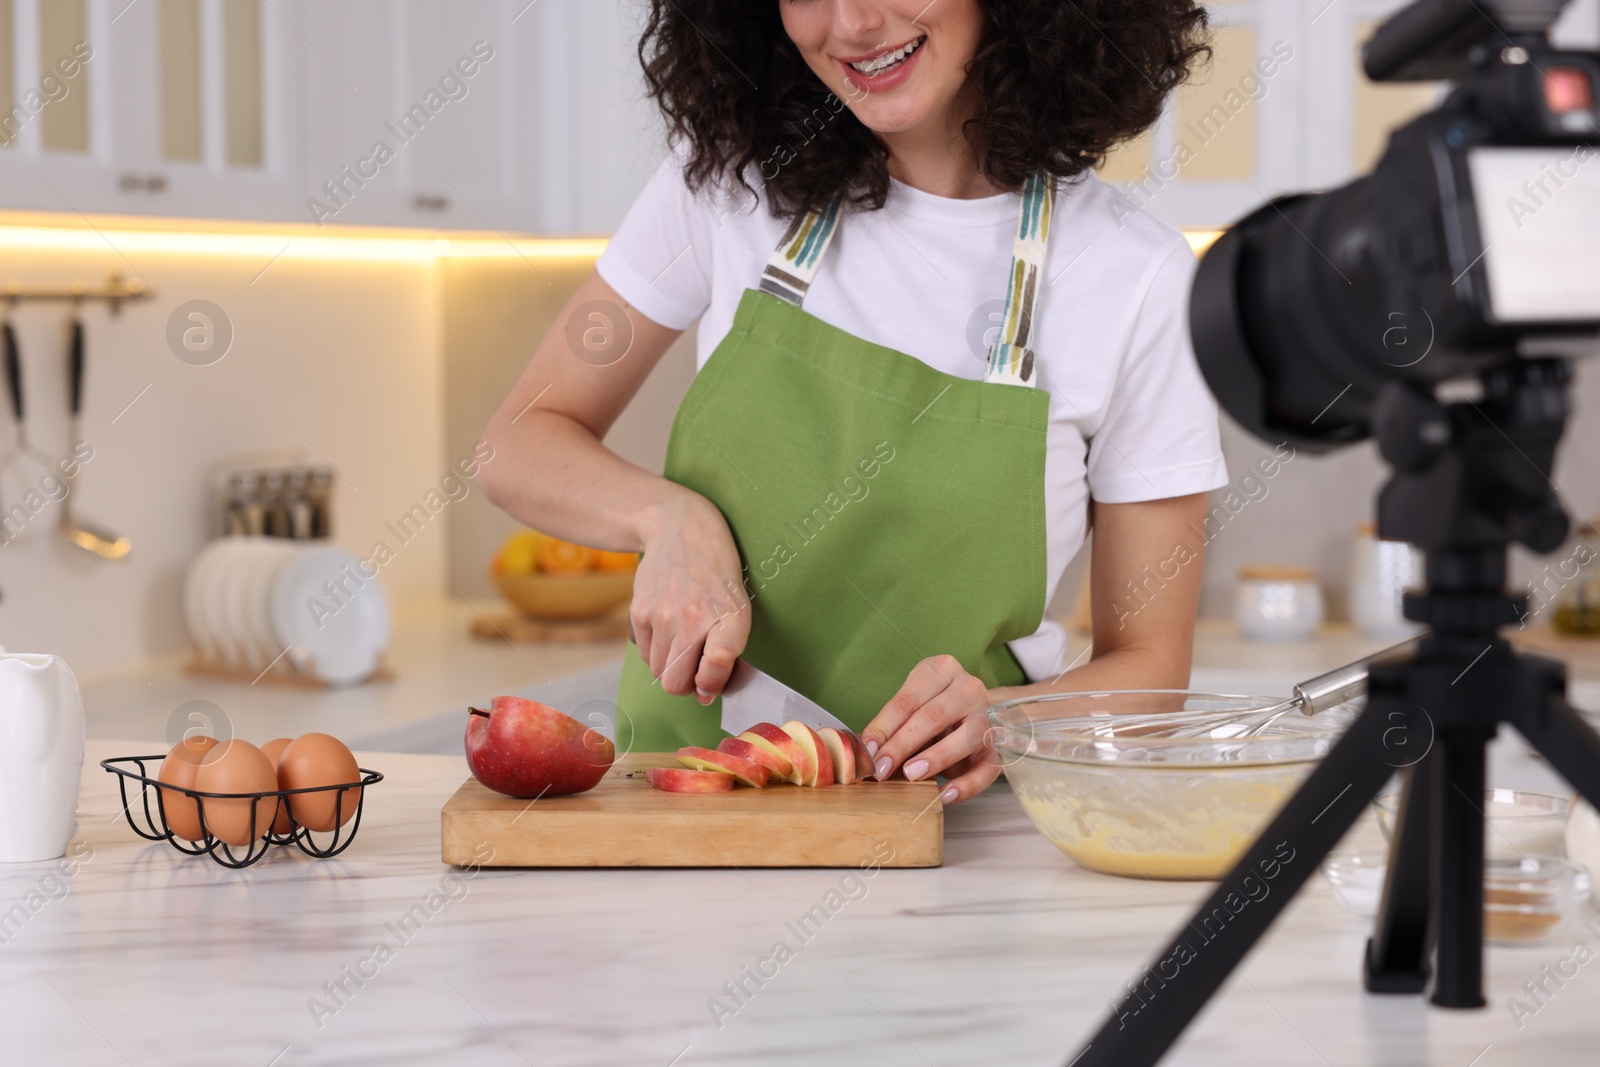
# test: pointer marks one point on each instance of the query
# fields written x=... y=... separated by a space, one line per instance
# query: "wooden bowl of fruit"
x=547 y=578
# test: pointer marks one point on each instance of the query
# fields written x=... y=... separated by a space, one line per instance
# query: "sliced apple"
x=776 y=763
x=704 y=759
x=846 y=769
x=819 y=766
x=682 y=780
x=864 y=771
x=765 y=735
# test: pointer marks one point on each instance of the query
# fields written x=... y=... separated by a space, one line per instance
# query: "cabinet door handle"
x=130 y=182
x=430 y=202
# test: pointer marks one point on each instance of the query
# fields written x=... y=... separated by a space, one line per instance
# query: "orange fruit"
x=615 y=561
x=564 y=557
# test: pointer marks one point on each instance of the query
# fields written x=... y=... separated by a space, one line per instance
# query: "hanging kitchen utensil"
x=13 y=374
x=92 y=539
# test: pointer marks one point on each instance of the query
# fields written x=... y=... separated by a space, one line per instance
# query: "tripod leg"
x=1397 y=954
x=1170 y=993
x=1568 y=742
x=1458 y=865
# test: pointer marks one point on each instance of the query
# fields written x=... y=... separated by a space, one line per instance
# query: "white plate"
x=213 y=594
x=194 y=613
x=236 y=603
x=335 y=618
x=258 y=593
x=247 y=600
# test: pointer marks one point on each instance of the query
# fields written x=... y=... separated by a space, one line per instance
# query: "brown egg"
x=313 y=760
x=273 y=750
x=237 y=767
x=178 y=769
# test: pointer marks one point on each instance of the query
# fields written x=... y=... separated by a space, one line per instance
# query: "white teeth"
x=888 y=59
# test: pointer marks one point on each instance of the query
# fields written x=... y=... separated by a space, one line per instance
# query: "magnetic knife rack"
x=117 y=291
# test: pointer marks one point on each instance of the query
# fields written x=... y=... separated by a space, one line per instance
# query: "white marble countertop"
x=1007 y=954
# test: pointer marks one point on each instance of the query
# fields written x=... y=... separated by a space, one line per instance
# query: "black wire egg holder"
x=155 y=826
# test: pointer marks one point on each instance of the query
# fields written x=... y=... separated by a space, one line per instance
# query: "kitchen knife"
x=752 y=696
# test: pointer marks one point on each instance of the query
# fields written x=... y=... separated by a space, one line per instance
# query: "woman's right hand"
x=690 y=614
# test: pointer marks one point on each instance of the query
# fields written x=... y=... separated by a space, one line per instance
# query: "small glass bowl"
x=1120 y=801
x=1532 y=900
x=1519 y=824
x=1356 y=876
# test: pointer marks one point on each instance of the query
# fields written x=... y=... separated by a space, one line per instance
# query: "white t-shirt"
x=1131 y=418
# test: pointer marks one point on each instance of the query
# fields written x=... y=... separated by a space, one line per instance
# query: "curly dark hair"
x=1062 y=84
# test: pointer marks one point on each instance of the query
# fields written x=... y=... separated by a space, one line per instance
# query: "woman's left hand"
x=937 y=724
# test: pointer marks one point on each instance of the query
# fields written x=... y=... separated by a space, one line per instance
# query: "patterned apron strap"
x=794 y=264
x=1011 y=356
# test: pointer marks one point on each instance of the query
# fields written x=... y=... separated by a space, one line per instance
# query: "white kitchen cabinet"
x=103 y=139
x=200 y=125
x=395 y=112
x=1283 y=107
x=406 y=106
x=56 y=151
x=1233 y=135
x=595 y=139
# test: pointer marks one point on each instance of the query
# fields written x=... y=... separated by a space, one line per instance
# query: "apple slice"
x=767 y=736
x=776 y=763
x=819 y=766
x=704 y=759
x=846 y=768
x=864 y=771
x=680 y=780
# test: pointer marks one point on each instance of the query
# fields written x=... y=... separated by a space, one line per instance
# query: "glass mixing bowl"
x=1120 y=801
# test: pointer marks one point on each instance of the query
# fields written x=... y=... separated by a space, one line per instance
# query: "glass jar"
x=1573 y=580
x=1274 y=603
x=1380 y=574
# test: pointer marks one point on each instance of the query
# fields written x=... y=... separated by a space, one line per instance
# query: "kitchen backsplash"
x=329 y=358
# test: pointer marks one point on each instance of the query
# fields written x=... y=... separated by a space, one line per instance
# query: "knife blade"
x=753 y=696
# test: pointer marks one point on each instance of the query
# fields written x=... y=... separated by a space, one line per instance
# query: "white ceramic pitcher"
x=41 y=756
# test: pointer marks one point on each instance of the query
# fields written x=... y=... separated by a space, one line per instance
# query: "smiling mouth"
x=884 y=62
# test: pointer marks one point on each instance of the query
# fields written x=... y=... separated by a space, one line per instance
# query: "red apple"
x=775 y=762
x=704 y=759
x=524 y=749
x=767 y=736
x=819 y=766
x=679 y=780
x=845 y=768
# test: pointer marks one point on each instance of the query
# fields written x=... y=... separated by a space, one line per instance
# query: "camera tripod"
x=1469 y=479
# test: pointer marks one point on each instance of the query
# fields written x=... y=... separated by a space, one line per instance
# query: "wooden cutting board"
x=624 y=822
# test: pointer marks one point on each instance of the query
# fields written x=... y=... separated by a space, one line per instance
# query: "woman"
x=964 y=351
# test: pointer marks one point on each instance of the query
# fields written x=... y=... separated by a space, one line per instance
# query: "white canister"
x=41 y=756
x=1277 y=603
x=1583 y=842
x=1380 y=573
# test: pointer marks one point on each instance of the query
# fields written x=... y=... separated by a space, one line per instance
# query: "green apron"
x=885 y=511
